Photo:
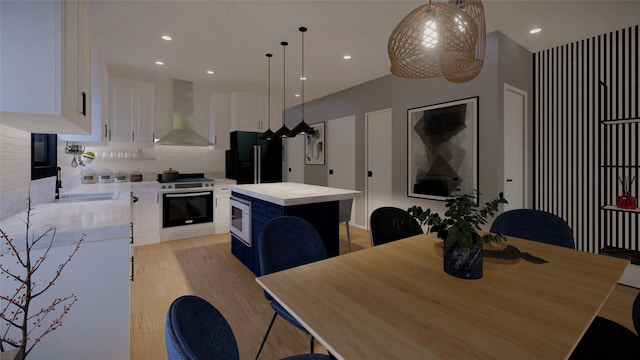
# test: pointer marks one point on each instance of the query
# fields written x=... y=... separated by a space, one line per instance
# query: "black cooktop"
x=186 y=177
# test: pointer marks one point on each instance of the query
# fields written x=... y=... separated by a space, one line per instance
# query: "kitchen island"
x=319 y=205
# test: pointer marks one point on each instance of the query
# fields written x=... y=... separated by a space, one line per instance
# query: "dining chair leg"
x=312 y=341
x=267 y=334
x=348 y=236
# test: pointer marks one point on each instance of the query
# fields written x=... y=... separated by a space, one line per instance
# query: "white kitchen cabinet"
x=99 y=103
x=219 y=115
x=97 y=325
x=221 y=211
x=145 y=214
x=45 y=62
x=131 y=112
x=248 y=112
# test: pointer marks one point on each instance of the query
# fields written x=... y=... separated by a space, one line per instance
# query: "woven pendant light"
x=439 y=39
x=302 y=128
x=473 y=64
x=268 y=135
x=284 y=131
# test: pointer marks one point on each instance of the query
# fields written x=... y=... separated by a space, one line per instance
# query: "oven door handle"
x=187 y=194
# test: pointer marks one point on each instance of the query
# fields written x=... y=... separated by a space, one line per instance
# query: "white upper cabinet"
x=219 y=120
x=45 y=62
x=248 y=112
x=131 y=112
x=99 y=103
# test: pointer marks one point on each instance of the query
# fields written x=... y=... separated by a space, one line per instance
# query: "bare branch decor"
x=21 y=326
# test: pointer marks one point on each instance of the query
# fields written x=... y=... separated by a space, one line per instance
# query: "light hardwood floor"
x=204 y=266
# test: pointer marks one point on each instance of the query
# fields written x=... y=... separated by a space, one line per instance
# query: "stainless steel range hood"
x=183 y=133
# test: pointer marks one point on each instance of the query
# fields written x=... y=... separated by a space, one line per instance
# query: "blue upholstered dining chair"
x=389 y=224
x=534 y=225
x=606 y=339
x=196 y=330
x=286 y=242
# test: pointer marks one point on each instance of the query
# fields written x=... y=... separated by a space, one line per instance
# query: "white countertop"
x=98 y=220
x=289 y=193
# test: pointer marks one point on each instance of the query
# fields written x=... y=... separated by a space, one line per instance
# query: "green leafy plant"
x=461 y=221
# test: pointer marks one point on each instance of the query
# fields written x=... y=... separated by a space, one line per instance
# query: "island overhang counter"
x=319 y=205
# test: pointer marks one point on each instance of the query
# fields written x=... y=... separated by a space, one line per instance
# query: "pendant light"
x=302 y=127
x=284 y=131
x=268 y=135
x=445 y=38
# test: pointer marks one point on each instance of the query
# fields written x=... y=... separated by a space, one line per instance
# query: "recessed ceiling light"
x=297 y=95
x=159 y=63
x=210 y=72
x=347 y=57
x=303 y=78
x=166 y=37
x=535 y=30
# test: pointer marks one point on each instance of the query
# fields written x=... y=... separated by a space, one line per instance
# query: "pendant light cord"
x=304 y=77
x=284 y=66
x=269 y=91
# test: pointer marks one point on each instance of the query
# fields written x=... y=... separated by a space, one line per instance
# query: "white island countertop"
x=289 y=193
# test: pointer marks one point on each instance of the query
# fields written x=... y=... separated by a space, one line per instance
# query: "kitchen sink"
x=82 y=197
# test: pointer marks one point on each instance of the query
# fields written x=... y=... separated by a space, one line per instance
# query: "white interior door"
x=515 y=142
x=378 y=159
x=341 y=152
x=295 y=159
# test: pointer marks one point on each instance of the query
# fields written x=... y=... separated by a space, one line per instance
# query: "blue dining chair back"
x=606 y=339
x=286 y=242
x=389 y=224
x=534 y=225
x=196 y=330
x=635 y=313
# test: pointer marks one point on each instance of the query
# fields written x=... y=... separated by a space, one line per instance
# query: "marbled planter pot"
x=464 y=263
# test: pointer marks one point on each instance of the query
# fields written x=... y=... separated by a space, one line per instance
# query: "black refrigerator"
x=250 y=160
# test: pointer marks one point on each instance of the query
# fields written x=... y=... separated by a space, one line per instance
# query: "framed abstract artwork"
x=314 y=146
x=442 y=149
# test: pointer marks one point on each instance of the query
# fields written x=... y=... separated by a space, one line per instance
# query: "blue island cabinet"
x=323 y=216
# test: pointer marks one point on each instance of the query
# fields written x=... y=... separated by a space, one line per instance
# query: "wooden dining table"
x=394 y=301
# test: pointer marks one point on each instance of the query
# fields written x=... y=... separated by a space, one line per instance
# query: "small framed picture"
x=314 y=146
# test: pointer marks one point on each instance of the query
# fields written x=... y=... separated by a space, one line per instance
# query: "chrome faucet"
x=58 y=183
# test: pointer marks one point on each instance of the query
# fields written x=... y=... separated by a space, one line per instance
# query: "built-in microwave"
x=240 y=222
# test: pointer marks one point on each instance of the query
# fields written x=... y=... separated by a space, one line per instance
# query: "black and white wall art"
x=442 y=145
x=314 y=146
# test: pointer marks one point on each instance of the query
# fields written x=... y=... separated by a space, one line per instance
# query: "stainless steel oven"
x=240 y=224
x=187 y=208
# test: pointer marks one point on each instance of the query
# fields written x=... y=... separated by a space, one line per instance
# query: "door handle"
x=330 y=171
x=369 y=173
x=84 y=103
x=509 y=180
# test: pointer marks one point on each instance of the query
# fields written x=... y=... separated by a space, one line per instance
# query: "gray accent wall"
x=505 y=62
x=358 y=100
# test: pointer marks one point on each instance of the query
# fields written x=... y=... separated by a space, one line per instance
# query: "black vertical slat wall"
x=583 y=92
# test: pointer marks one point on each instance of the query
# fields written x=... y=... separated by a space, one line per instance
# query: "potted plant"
x=462 y=243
